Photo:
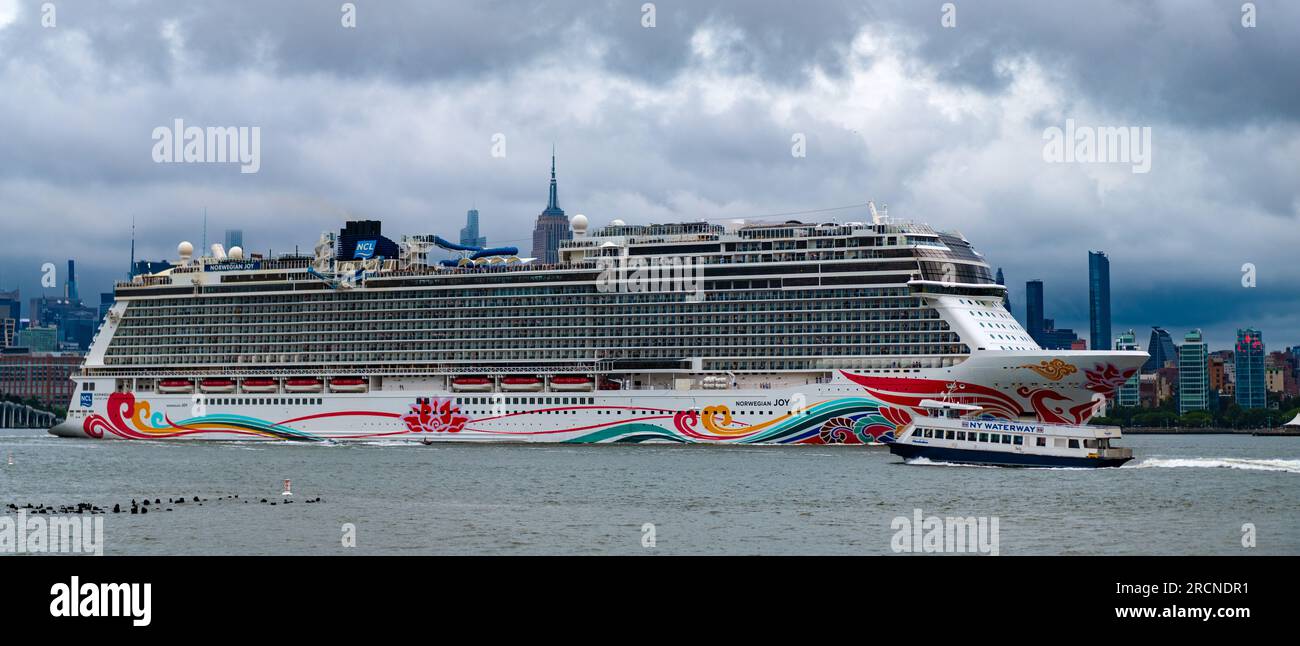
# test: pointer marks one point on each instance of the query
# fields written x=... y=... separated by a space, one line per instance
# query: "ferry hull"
x=998 y=458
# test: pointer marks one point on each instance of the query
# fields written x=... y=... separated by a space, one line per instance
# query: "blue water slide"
x=495 y=251
x=447 y=244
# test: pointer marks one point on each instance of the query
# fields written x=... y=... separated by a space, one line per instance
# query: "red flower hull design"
x=439 y=415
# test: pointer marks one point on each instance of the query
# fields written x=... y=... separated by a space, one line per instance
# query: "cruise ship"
x=747 y=332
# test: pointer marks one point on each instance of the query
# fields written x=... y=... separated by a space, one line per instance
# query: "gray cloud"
x=690 y=119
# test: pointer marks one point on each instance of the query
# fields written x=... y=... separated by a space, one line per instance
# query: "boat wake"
x=1249 y=464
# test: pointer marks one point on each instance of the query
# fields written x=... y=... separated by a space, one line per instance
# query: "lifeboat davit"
x=521 y=384
x=176 y=386
x=570 y=383
x=471 y=384
x=302 y=385
x=217 y=385
x=258 y=385
x=347 y=385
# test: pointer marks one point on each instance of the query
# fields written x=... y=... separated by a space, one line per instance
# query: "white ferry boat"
x=784 y=333
x=946 y=436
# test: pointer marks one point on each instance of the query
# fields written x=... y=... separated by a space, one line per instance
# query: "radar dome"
x=236 y=253
x=185 y=249
x=579 y=223
x=617 y=223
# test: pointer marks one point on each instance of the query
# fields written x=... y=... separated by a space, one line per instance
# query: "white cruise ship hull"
x=853 y=407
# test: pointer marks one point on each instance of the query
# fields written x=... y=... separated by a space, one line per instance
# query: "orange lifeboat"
x=348 y=385
x=302 y=385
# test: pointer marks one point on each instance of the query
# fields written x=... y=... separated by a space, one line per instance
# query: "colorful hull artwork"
x=849 y=420
x=810 y=415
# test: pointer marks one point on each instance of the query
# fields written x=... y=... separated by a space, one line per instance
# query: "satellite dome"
x=185 y=249
x=236 y=253
x=579 y=223
x=617 y=223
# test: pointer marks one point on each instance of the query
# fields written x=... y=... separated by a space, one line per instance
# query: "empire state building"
x=552 y=226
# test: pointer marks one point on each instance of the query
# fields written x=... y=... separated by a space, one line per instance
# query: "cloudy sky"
x=690 y=118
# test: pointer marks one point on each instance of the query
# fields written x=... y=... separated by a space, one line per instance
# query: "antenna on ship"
x=876 y=216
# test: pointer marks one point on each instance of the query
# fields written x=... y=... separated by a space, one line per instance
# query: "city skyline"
x=691 y=119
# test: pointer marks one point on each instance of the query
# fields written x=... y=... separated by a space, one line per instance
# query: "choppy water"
x=1182 y=495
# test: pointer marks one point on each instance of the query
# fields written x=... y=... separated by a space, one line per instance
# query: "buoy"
x=286 y=491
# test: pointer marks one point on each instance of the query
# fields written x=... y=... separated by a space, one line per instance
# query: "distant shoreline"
x=1279 y=432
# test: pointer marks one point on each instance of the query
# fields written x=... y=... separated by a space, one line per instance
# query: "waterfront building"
x=552 y=226
x=1251 y=388
x=1161 y=350
x=1099 y=299
x=1193 y=380
x=38 y=338
x=1127 y=395
x=43 y=375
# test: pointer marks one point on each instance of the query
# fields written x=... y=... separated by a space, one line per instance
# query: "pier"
x=14 y=415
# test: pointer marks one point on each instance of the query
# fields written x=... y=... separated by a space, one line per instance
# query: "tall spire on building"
x=552 y=225
x=553 y=204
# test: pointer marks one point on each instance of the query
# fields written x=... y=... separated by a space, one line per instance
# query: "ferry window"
x=984 y=437
x=1058 y=442
x=1090 y=444
x=1006 y=439
x=1042 y=441
x=949 y=435
x=1074 y=444
x=1019 y=440
x=961 y=435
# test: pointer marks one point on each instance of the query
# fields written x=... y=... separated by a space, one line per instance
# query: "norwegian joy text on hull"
x=784 y=333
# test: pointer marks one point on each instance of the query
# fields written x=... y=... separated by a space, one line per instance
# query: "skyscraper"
x=1161 y=350
x=1099 y=299
x=552 y=226
x=1193 y=377
x=1034 y=309
x=70 y=285
x=469 y=235
x=1006 y=297
x=234 y=238
x=1249 y=360
x=1129 y=393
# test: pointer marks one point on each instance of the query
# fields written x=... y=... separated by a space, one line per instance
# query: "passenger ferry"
x=944 y=435
x=747 y=332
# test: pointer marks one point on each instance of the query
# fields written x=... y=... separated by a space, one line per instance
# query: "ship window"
x=1019 y=440
x=984 y=437
x=961 y=435
x=1006 y=439
x=1074 y=444
x=949 y=435
x=1058 y=442
x=1042 y=441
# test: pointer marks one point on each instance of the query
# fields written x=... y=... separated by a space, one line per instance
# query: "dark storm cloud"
x=691 y=119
